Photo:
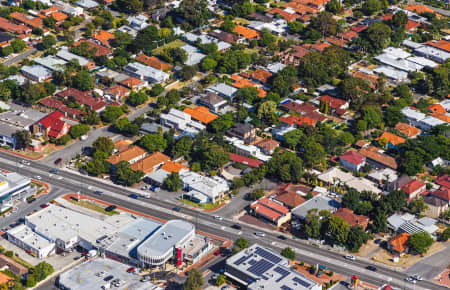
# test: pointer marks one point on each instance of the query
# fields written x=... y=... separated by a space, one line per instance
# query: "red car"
x=217 y=252
x=57 y=161
x=44 y=205
x=131 y=269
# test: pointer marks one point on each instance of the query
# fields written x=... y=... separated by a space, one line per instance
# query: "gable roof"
x=131 y=82
x=267 y=144
x=8 y=26
x=246 y=32
x=27 y=19
x=171 y=166
x=269 y=208
x=440 y=44
x=334 y=103
x=353 y=157
x=443 y=194
x=412 y=186
x=419 y=8
x=147 y=164
x=104 y=37
x=407 y=130
x=201 y=114
x=351 y=218
x=154 y=62
x=400 y=242
x=349 y=35
x=100 y=49
x=289 y=198
x=127 y=155
x=245 y=160
x=378 y=157
x=443 y=181
x=391 y=138
x=118 y=90
x=436 y=109
x=122 y=145
x=261 y=75
x=53 y=122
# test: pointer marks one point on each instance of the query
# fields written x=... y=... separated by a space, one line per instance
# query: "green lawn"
x=93 y=206
x=173 y=44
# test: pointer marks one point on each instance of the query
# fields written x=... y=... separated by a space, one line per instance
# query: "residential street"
x=20 y=56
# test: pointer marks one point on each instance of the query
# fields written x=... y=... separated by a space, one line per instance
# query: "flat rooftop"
x=63 y=223
x=84 y=276
x=166 y=238
x=27 y=236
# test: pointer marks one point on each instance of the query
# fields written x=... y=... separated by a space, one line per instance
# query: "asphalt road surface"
x=205 y=222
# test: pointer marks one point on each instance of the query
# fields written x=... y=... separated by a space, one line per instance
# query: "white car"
x=25 y=162
x=37 y=177
x=410 y=280
x=260 y=234
x=218 y=217
x=417 y=277
x=350 y=257
x=214 y=277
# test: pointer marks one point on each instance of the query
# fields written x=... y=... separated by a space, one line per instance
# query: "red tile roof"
x=400 y=242
x=305 y=109
x=53 y=122
x=8 y=26
x=286 y=15
x=153 y=61
x=441 y=44
x=269 y=208
x=27 y=19
x=101 y=50
x=351 y=218
x=353 y=157
x=299 y=120
x=336 y=41
x=104 y=37
x=411 y=25
x=72 y=92
x=119 y=91
x=289 y=198
x=201 y=114
x=261 y=75
x=391 y=138
x=442 y=194
x=245 y=160
x=443 y=181
x=349 y=35
x=334 y=103
x=407 y=130
x=267 y=144
x=246 y=32
x=131 y=82
x=359 y=28
x=412 y=186
x=51 y=103
x=373 y=154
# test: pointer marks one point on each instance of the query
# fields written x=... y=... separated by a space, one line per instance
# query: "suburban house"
x=267 y=146
x=408 y=130
x=223 y=90
x=36 y=73
x=51 y=125
x=154 y=62
x=181 y=121
x=397 y=183
x=271 y=211
x=150 y=163
x=377 y=159
x=335 y=105
x=247 y=33
x=202 y=189
x=201 y=114
x=443 y=181
x=243 y=131
x=413 y=188
x=145 y=72
x=245 y=160
x=131 y=155
x=407 y=223
x=437 y=202
x=352 y=161
x=391 y=140
x=5 y=39
x=212 y=101
x=116 y=93
x=399 y=244
x=351 y=218
x=318 y=202
x=289 y=198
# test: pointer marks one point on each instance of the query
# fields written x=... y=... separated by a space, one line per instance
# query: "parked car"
x=214 y=277
x=130 y=270
x=108 y=278
x=31 y=200
x=410 y=280
x=371 y=268
x=44 y=205
x=57 y=161
x=217 y=252
x=260 y=234
x=110 y=208
x=350 y=257
x=135 y=196
x=417 y=277
x=319 y=274
x=146 y=278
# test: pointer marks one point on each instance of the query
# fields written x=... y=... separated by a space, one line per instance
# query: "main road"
x=205 y=222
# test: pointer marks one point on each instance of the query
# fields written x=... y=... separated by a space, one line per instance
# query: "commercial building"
x=271 y=211
x=52 y=63
x=407 y=223
x=11 y=122
x=317 y=202
x=13 y=186
x=260 y=268
x=201 y=188
x=36 y=73
x=147 y=73
x=66 y=55
x=33 y=243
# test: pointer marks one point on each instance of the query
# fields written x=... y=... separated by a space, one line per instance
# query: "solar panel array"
x=260 y=267
x=268 y=255
x=283 y=272
x=241 y=260
x=284 y=287
x=252 y=262
x=301 y=282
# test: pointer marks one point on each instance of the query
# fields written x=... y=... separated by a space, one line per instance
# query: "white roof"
x=205 y=39
x=65 y=54
x=223 y=89
x=275 y=67
x=411 y=44
x=384 y=173
x=209 y=186
x=413 y=114
x=445 y=104
x=432 y=121
x=391 y=73
x=51 y=62
x=250 y=149
x=26 y=235
x=87 y=4
x=398 y=63
x=334 y=175
x=432 y=52
x=361 y=184
x=146 y=71
x=422 y=61
x=396 y=52
x=37 y=71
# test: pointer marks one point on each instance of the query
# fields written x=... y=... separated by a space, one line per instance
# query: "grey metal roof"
x=318 y=202
x=37 y=71
x=165 y=238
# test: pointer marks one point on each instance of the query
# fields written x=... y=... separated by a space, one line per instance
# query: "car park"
x=350 y=257
x=260 y=234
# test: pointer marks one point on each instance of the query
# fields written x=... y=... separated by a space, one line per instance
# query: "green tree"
x=257 y=193
x=356 y=238
x=172 y=182
x=292 y=138
x=156 y=90
x=221 y=279
x=208 y=64
x=241 y=244
x=104 y=144
x=49 y=22
x=266 y=111
x=296 y=26
x=361 y=125
x=325 y=23
x=417 y=205
x=228 y=25
x=373 y=117
x=31 y=280
x=445 y=234
x=63 y=140
x=22 y=139
x=379 y=223
x=48 y=41
x=194 y=280
x=288 y=253
x=346 y=138
x=126 y=175
x=18 y=45
x=137 y=98
x=43 y=270
x=188 y=72
x=399 y=19
x=334 y=6
x=351 y=199
x=420 y=242
x=312 y=226
x=214 y=157
x=267 y=38
x=396 y=200
x=313 y=153
x=111 y=113
x=413 y=163
x=153 y=142
x=78 y=130
x=378 y=35
x=83 y=81
x=182 y=147
x=195 y=12
x=371 y=6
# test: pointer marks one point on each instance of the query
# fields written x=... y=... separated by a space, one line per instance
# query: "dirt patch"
x=323 y=279
x=368 y=249
x=256 y=222
x=443 y=278
x=385 y=257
